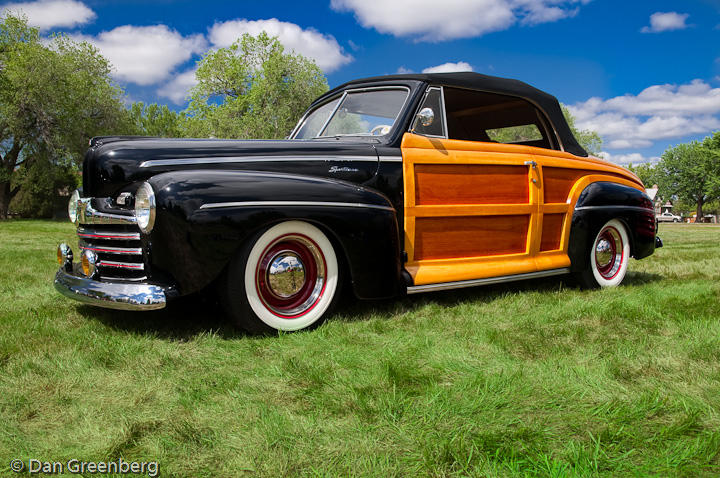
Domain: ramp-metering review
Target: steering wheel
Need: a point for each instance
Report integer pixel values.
(380, 129)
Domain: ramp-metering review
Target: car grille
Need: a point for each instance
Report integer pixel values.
(118, 248)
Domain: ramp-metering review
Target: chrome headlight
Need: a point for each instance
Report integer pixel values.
(72, 206)
(145, 207)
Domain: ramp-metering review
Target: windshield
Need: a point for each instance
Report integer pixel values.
(355, 113)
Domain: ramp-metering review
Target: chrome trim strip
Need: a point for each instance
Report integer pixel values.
(250, 159)
(88, 215)
(632, 208)
(391, 159)
(128, 251)
(489, 280)
(293, 203)
(107, 235)
(136, 266)
(110, 295)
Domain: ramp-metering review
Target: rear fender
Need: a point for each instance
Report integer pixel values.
(602, 201)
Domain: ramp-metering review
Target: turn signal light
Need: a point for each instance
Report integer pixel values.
(88, 261)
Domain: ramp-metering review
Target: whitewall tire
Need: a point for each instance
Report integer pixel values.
(286, 278)
(610, 254)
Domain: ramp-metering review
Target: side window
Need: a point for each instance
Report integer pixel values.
(489, 117)
(433, 100)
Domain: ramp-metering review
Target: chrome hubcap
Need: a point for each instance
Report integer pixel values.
(609, 250)
(603, 253)
(286, 274)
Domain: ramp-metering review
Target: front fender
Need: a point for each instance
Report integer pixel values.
(204, 217)
(602, 201)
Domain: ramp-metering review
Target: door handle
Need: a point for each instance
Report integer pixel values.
(533, 164)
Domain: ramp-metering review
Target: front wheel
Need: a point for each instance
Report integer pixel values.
(609, 255)
(285, 278)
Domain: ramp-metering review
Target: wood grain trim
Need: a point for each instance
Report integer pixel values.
(557, 182)
(454, 237)
(552, 228)
(470, 184)
(471, 210)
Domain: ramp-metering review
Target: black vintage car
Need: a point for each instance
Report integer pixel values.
(389, 185)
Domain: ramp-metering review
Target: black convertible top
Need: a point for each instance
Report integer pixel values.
(491, 84)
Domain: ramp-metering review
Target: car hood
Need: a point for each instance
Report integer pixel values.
(115, 164)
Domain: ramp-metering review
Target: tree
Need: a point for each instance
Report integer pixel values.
(647, 172)
(691, 171)
(589, 140)
(252, 89)
(54, 95)
(156, 120)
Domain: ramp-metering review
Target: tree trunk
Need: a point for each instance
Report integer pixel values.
(699, 212)
(8, 163)
(5, 197)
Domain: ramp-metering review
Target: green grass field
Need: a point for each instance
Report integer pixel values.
(527, 379)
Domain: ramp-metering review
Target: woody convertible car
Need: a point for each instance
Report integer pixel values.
(391, 185)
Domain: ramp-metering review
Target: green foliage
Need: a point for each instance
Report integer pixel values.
(647, 172)
(39, 185)
(252, 89)
(529, 379)
(53, 97)
(589, 140)
(691, 171)
(156, 120)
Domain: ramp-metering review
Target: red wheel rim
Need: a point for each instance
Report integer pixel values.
(290, 276)
(609, 253)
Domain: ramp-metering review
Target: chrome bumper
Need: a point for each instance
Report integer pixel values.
(111, 295)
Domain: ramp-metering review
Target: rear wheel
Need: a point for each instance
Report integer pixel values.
(285, 278)
(608, 257)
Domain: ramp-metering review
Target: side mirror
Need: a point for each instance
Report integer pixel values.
(425, 117)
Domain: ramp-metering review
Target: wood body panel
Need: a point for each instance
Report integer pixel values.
(458, 237)
(465, 234)
(557, 182)
(552, 225)
(470, 184)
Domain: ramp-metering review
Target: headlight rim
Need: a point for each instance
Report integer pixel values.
(145, 192)
(72, 206)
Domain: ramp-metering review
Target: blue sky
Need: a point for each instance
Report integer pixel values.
(644, 74)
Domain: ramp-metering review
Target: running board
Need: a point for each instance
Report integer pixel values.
(416, 289)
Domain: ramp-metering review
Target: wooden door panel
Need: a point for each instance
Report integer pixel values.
(471, 184)
(473, 236)
(470, 207)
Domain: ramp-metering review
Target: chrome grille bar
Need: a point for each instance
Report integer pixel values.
(130, 251)
(136, 266)
(107, 235)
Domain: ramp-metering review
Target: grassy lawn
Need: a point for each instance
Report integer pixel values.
(527, 379)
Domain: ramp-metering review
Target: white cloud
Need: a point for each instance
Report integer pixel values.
(403, 71)
(666, 21)
(324, 49)
(46, 14)
(625, 159)
(430, 20)
(178, 88)
(145, 55)
(658, 112)
(449, 67)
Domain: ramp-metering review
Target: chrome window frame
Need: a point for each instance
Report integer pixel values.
(443, 112)
(342, 96)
